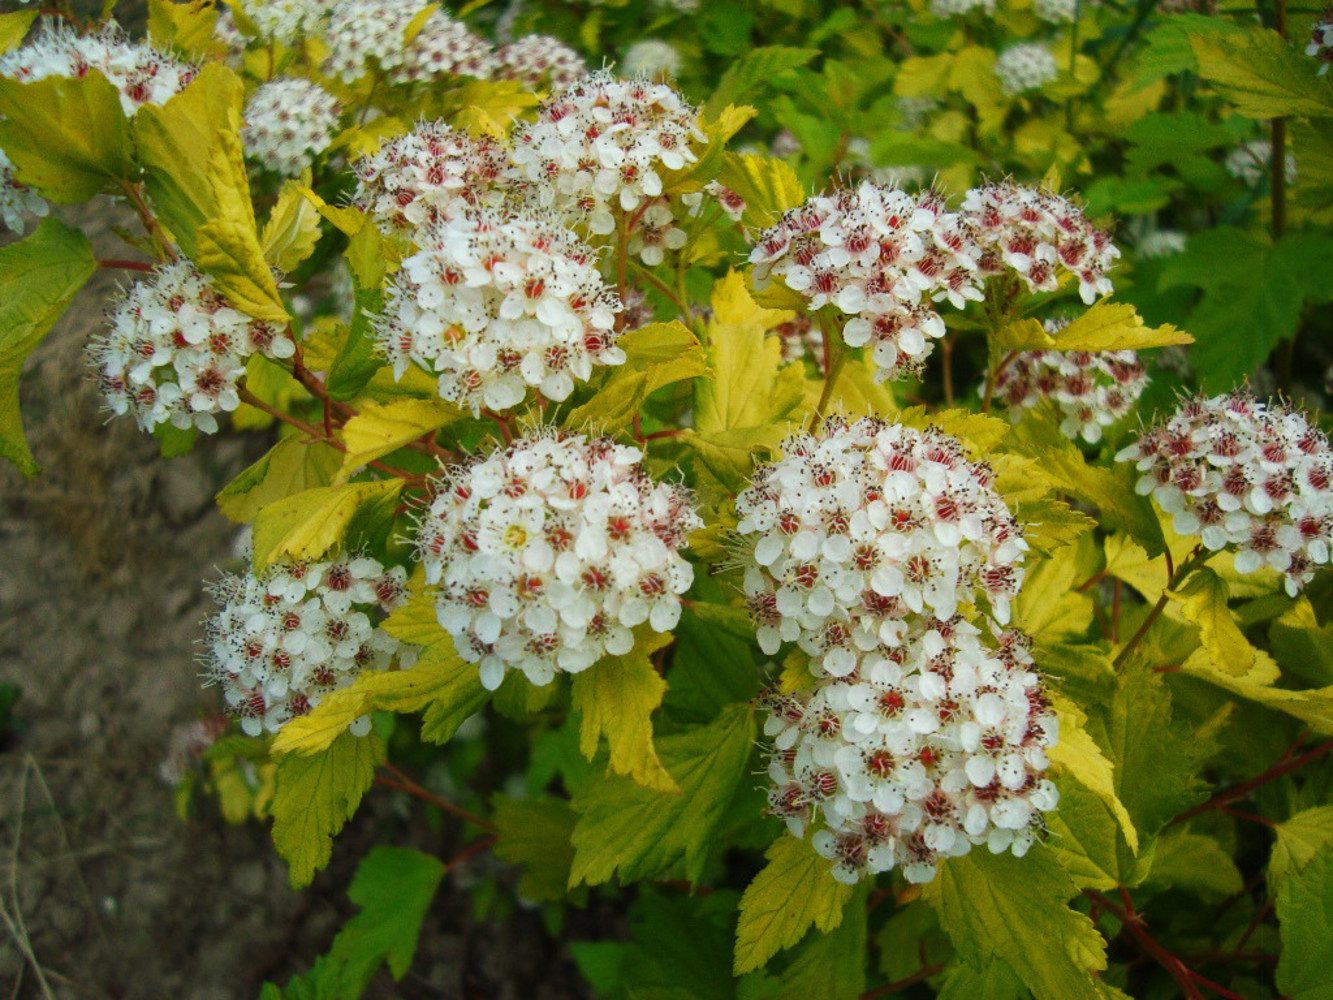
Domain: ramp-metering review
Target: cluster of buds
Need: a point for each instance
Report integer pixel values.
(879, 255)
(175, 348)
(16, 200)
(362, 30)
(297, 632)
(919, 755)
(540, 60)
(1034, 233)
(495, 303)
(1321, 41)
(140, 74)
(604, 142)
(550, 552)
(431, 174)
(863, 526)
(1090, 390)
(1242, 474)
(288, 121)
(1024, 67)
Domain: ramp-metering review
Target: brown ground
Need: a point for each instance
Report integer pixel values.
(102, 888)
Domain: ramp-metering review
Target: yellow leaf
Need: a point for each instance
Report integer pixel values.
(13, 27)
(1203, 602)
(292, 229)
(717, 131)
(769, 186)
(487, 107)
(292, 466)
(980, 432)
(613, 406)
(1079, 754)
(664, 352)
(307, 525)
(796, 675)
(379, 429)
(924, 76)
(189, 28)
(1049, 607)
(616, 696)
(416, 621)
(347, 220)
(1116, 326)
(1022, 335)
(794, 890)
(1314, 706)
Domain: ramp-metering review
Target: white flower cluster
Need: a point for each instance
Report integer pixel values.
(1161, 243)
(548, 553)
(140, 74)
(1091, 390)
(494, 303)
(175, 348)
(955, 8)
(650, 58)
(360, 30)
(1058, 11)
(540, 60)
(281, 21)
(1250, 162)
(16, 200)
(604, 142)
(879, 255)
(430, 174)
(1321, 41)
(1025, 66)
(288, 121)
(919, 755)
(1240, 473)
(299, 631)
(1034, 232)
(863, 526)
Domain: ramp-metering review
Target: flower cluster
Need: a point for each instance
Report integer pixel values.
(281, 21)
(175, 348)
(430, 174)
(1025, 66)
(1321, 41)
(16, 200)
(297, 632)
(540, 60)
(140, 74)
(1161, 243)
(548, 553)
(650, 58)
(861, 527)
(1057, 11)
(1250, 162)
(955, 8)
(287, 121)
(919, 755)
(1091, 390)
(494, 303)
(1035, 232)
(360, 30)
(604, 142)
(1240, 473)
(879, 255)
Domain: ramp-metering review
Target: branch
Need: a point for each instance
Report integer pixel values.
(402, 783)
(1283, 766)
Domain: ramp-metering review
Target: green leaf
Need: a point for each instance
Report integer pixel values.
(67, 138)
(794, 890)
(641, 832)
(616, 696)
(1088, 841)
(613, 405)
(999, 907)
(712, 666)
(1115, 326)
(292, 229)
(1304, 906)
(359, 359)
(1299, 839)
(1186, 860)
(1314, 707)
(394, 887)
(995, 981)
(1203, 602)
(1079, 755)
(1261, 74)
(535, 834)
(308, 524)
(315, 796)
(831, 966)
(755, 70)
(1303, 647)
(39, 276)
(291, 466)
(379, 429)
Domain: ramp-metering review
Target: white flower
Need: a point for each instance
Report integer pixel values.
(175, 349)
(540, 60)
(1321, 41)
(288, 122)
(954, 8)
(919, 755)
(1058, 11)
(1025, 66)
(16, 200)
(650, 58)
(298, 631)
(1160, 243)
(361, 30)
(281, 21)
(1245, 475)
(1091, 390)
(495, 304)
(1251, 162)
(549, 552)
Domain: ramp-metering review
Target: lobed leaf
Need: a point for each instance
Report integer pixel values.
(310, 523)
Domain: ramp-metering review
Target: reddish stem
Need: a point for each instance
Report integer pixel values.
(902, 984)
(1147, 943)
(471, 849)
(1286, 764)
(401, 782)
(113, 264)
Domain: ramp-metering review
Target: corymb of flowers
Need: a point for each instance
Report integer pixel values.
(550, 552)
(174, 350)
(1245, 475)
(298, 631)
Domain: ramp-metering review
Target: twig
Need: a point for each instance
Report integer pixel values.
(113, 264)
(1283, 766)
(1197, 558)
(401, 782)
(898, 986)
